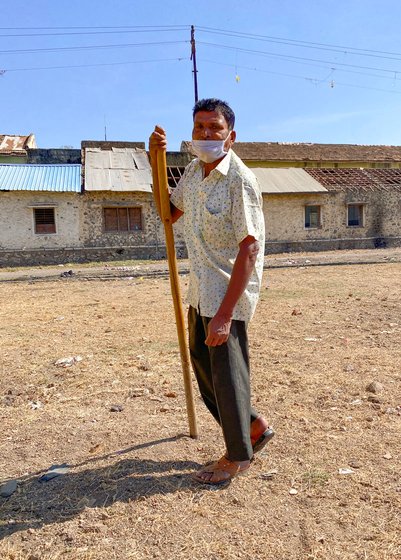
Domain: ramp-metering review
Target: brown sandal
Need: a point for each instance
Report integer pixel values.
(221, 472)
(259, 443)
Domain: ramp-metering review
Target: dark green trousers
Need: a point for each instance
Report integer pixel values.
(222, 373)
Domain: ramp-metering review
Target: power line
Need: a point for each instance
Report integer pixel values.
(56, 31)
(297, 58)
(345, 67)
(155, 27)
(89, 47)
(306, 78)
(306, 44)
(6, 70)
(75, 33)
(237, 34)
(366, 87)
(257, 69)
(333, 69)
(180, 59)
(232, 33)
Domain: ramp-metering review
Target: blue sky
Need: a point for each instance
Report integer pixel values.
(256, 54)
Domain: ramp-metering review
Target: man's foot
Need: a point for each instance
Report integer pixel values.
(220, 472)
(261, 433)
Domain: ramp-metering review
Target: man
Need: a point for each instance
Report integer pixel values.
(220, 200)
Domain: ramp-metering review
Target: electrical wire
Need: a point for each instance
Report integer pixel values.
(237, 34)
(97, 30)
(90, 47)
(393, 77)
(211, 30)
(153, 27)
(6, 70)
(307, 44)
(75, 33)
(297, 58)
(226, 32)
(315, 81)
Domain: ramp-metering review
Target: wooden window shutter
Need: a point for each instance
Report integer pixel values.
(45, 221)
(110, 219)
(122, 219)
(135, 219)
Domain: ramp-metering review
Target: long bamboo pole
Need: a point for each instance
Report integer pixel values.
(159, 170)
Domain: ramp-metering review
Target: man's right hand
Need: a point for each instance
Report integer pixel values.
(157, 140)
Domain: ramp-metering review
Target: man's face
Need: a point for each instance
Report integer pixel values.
(211, 125)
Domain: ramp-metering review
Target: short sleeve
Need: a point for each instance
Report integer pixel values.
(247, 210)
(177, 196)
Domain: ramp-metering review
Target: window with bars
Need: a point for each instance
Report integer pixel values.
(122, 219)
(45, 220)
(312, 217)
(174, 174)
(355, 215)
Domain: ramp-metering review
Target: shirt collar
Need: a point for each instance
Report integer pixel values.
(223, 166)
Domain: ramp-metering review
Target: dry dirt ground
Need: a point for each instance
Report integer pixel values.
(319, 337)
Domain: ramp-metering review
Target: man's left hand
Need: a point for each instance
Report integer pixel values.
(218, 330)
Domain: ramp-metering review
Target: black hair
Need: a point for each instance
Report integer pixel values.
(213, 104)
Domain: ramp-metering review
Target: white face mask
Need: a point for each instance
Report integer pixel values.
(209, 151)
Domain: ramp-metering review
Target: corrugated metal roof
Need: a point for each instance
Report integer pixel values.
(28, 177)
(118, 169)
(284, 180)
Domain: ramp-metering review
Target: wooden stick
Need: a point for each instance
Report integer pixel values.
(159, 171)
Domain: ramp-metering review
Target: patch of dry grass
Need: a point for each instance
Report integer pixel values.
(128, 493)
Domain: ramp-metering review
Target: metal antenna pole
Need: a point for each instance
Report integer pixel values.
(193, 58)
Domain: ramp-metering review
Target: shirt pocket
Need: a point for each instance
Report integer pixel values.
(217, 199)
(217, 228)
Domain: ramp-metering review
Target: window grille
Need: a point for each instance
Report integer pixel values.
(174, 174)
(45, 220)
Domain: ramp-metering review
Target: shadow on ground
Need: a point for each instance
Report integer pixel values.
(37, 503)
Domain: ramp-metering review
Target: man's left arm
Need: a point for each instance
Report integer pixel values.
(219, 326)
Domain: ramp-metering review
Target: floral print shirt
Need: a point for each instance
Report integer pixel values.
(220, 211)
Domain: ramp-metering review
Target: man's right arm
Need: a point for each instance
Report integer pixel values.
(175, 213)
(158, 141)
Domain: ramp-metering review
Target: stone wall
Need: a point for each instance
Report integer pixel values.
(92, 228)
(81, 238)
(178, 159)
(17, 230)
(54, 156)
(80, 233)
(285, 221)
(47, 256)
